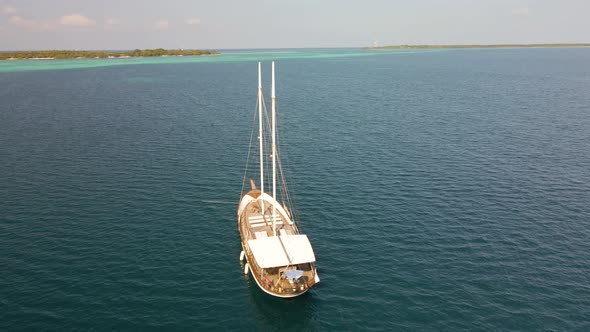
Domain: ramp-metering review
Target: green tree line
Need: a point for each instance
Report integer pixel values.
(67, 54)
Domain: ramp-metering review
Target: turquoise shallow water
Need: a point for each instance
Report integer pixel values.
(441, 191)
(225, 56)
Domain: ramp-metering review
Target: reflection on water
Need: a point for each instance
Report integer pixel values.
(273, 313)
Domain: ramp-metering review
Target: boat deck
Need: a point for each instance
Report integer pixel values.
(260, 225)
(255, 225)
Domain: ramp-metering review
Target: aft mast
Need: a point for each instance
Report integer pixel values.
(274, 152)
(260, 140)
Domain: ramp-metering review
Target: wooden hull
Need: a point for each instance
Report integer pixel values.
(271, 280)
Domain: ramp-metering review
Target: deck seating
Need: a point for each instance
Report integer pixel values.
(258, 220)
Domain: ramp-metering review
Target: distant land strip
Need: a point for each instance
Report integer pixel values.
(65, 54)
(411, 47)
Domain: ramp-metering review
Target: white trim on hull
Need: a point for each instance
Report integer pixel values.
(280, 295)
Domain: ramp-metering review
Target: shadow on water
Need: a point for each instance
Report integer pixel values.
(273, 313)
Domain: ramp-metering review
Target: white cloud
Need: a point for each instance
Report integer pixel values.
(7, 10)
(29, 24)
(521, 12)
(111, 21)
(17, 20)
(111, 24)
(161, 25)
(192, 21)
(76, 20)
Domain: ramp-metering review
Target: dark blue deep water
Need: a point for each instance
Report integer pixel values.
(440, 190)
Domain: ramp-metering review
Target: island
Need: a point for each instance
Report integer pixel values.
(67, 54)
(412, 47)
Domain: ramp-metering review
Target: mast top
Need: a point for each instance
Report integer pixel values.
(273, 81)
(259, 76)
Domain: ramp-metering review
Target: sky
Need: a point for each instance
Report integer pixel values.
(238, 24)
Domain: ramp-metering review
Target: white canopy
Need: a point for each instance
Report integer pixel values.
(276, 251)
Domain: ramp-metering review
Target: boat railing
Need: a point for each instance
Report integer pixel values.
(279, 283)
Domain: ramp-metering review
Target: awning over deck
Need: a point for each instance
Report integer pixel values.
(276, 251)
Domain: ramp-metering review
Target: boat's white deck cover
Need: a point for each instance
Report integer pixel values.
(269, 252)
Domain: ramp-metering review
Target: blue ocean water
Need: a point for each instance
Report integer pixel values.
(440, 190)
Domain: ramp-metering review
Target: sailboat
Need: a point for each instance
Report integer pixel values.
(279, 257)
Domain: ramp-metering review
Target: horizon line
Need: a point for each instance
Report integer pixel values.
(317, 47)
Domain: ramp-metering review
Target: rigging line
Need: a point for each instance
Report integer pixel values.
(286, 199)
(266, 134)
(289, 201)
(250, 146)
(282, 179)
(213, 201)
